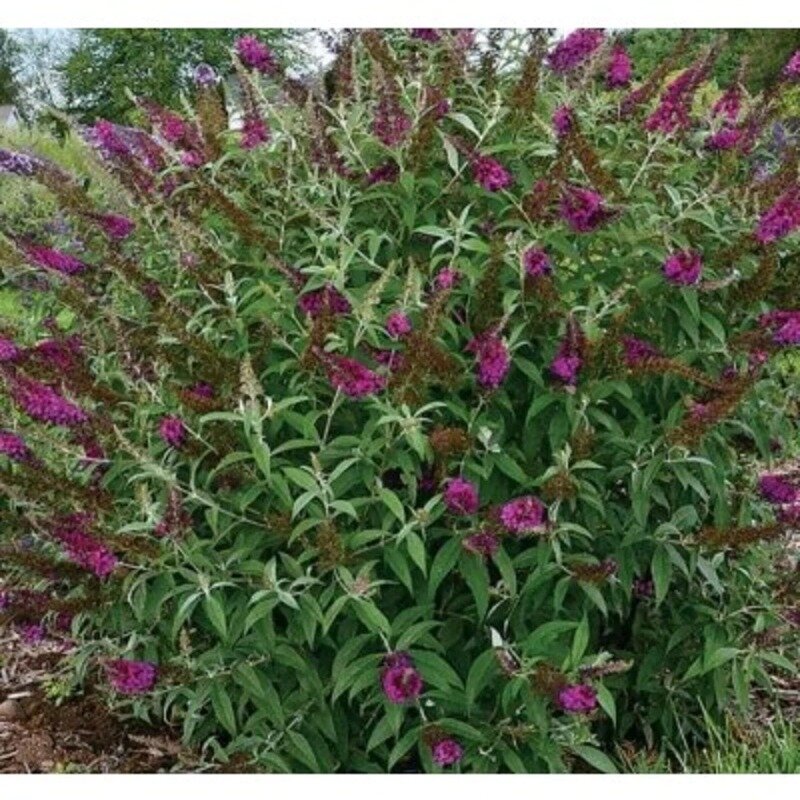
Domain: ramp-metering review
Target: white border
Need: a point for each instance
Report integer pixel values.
(399, 13)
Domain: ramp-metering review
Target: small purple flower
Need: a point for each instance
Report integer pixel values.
(638, 350)
(578, 699)
(255, 132)
(115, 226)
(729, 104)
(726, 138)
(255, 54)
(563, 120)
(620, 68)
(426, 34)
(132, 677)
(784, 325)
(385, 173)
(493, 360)
(328, 300)
(205, 76)
(400, 680)
(18, 163)
(53, 259)
(42, 403)
(523, 515)
(490, 173)
(398, 324)
(351, 377)
(583, 209)
(173, 431)
(391, 124)
(483, 543)
(568, 359)
(13, 446)
(781, 219)
(776, 489)
(446, 278)
(536, 262)
(461, 496)
(683, 267)
(644, 588)
(31, 632)
(574, 50)
(792, 68)
(8, 350)
(446, 752)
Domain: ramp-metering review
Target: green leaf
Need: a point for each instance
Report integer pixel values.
(216, 615)
(597, 758)
(580, 641)
(482, 669)
(443, 564)
(661, 567)
(223, 708)
(392, 502)
(607, 702)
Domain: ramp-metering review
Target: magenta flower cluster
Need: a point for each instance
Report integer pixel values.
(400, 679)
(781, 219)
(726, 138)
(446, 278)
(536, 262)
(446, 752)
(327, 300)
(577, 698)
(483, 543)
(523, 515)
(568, 359)
(172, 430)
(253, 53)
(57, 260)
(398, 324)
(620, 68)
(493, 360)
(792, 68)
(574, 49)
(683, 267)
(583, 209)
(635, 351)
(461, 496)
(255, 132)
(45, 404)
(13, 446)
(115, 226)
(672, 112)
(132, 677)
(391, 124)
(490, 173)
(8, 350)
(81, 547)
(777, 489)
(351, 377)
(729, 104)
(384, 173)
(784, 326)
(563, 120)
(18, 163)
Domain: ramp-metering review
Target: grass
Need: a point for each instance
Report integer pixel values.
(734, 749)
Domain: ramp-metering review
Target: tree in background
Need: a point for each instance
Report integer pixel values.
(9, 67)
(108, 63)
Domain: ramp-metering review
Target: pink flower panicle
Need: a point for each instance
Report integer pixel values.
(636, 351)
(792, 68)
(57, 260)
(620, 68)
(400, 679)
(172, 430)
(391, 124)
(446, 278)
(683, 267)
(574, 50)
(577, 699)
(327, 300)
(778, 490)
(446, 752)
(255, 54)
(81, 547)
(14, 446)
(8, 350)
(726, 138)
(784, 326)
(583, 209)
(493, 360)
(672, 112)
(536, 262)
(115, 226)
(255, 132)
(563, 120)
(490, 173)
(12, 163)
(384, 173)
(483, 543)
(351, 377)
(426, 34)
(461, 496)
(568, 359)
(398, 324)
(132, 677)
(523, 515)
(781, 219)
(729, 104)
(42, 403)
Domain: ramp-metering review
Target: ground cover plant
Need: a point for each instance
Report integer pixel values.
(428, 419)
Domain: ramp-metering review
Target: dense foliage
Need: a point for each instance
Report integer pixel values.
(417, 424)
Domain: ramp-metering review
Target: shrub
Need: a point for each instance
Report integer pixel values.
(405, 430)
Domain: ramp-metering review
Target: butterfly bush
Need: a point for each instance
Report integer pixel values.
(422, 423)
